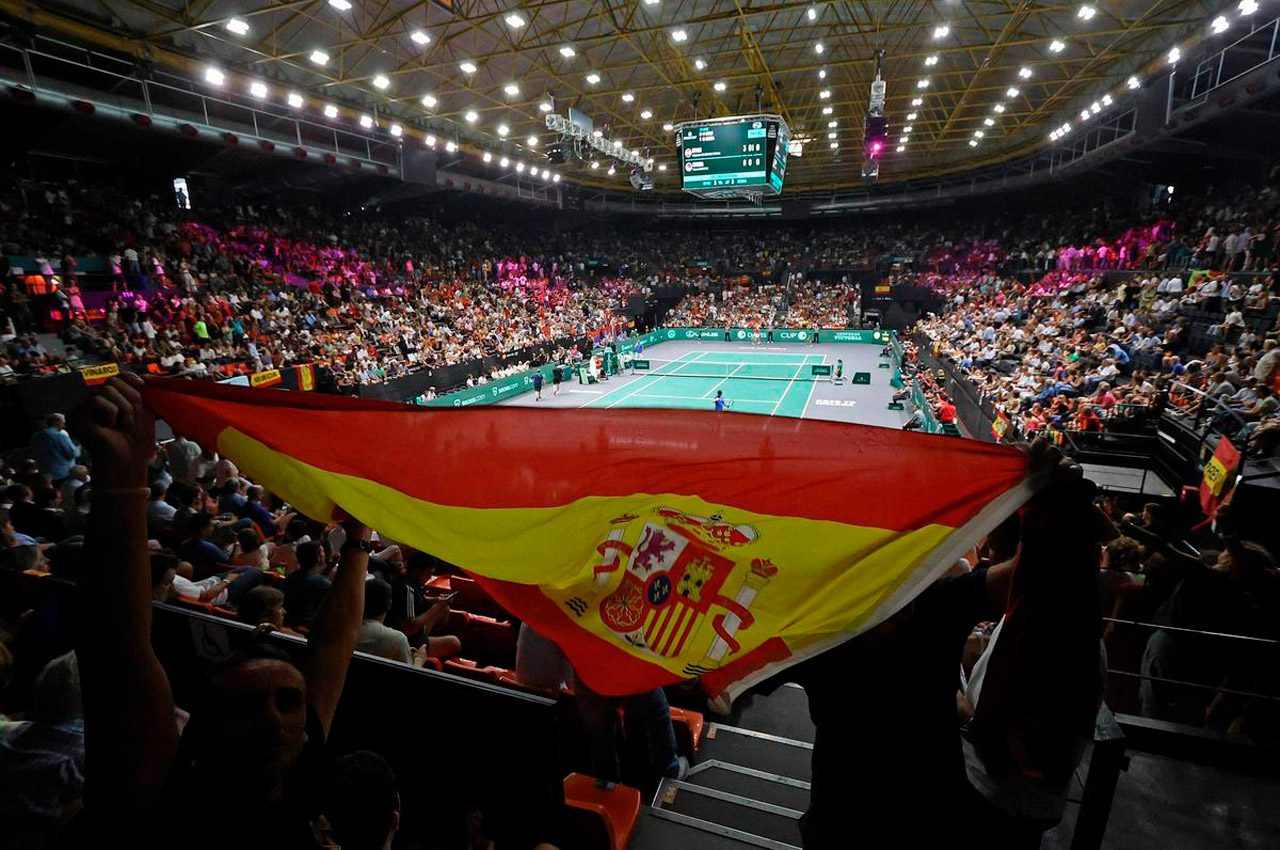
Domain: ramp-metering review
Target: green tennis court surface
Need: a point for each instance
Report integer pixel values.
(753, 382)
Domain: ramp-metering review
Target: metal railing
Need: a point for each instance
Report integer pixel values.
(1233, 61)
(121, 89)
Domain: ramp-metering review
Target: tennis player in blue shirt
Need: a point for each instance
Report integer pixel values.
(722, 403)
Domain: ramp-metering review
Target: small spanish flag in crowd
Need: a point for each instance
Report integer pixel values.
(100, 374)
(652, 546)
(306, 375)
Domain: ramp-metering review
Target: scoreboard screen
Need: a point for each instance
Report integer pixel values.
(723, 157)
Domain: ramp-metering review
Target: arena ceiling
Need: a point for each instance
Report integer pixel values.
(970, 82)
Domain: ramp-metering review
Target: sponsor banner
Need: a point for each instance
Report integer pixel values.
(493, 391)
(269, 378)
(94, 375)
(820, 369)
(873, 337)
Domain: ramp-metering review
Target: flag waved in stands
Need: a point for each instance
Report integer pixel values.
(651, 545)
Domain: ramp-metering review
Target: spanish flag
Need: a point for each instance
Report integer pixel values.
(652, 546)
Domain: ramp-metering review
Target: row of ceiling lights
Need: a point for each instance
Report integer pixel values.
(1219, 25)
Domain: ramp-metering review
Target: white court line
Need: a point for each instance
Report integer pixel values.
(639, 385)
(709, 393)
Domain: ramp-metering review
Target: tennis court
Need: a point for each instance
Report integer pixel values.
(766, 382)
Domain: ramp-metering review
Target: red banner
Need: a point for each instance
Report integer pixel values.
(1219, 476)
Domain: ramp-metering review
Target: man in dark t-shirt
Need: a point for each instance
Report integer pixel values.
(887, 748)
(305, 589)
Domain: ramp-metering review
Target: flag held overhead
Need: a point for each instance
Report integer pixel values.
(651, 545)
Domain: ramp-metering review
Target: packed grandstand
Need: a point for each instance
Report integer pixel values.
(902, 515)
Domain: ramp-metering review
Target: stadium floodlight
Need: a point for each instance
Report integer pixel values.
(651, 2)
(555, 178)
(668, 127)
(973, 143)
(941, 31)
(1133, 83)
(646, 114)
(503, 130)
(511, 89)
(295, 100)
(330, 111)
(1174, 55)
(1057, 46)
(520, 167)
(568, 52)
(831, 125)
(593, 78)
(366, 121)
(515, 20)
(381, 81)
(430, 140)
(1247, 7)
(504, 162)
(822, 73)
(827, 110)
(258, 89)
(836, 145)
(532, 141)
(594, 164)
(978, 134)
(341, 5)
(545, 106)
(811, 13)
(999, 107)
(1084, 114)
(679, 36)
(419, 37)
(396, 130)
(1086, 13)
(901, 148)
(429, 101)
(818, 48)
(451, 147)
(1011, 92)
(988, 122)
(700, 64)
(662, 166)
(1024, 72)
(319, 57)
(1219, 25)
(922, 84)
(832, 135)
(487, 157)
(546, 174)
(214, 76)
(627, 97)
(825, 94)
(720, 86)
(1095, 107)
(917, 101)
(467, 66)
(612, 171)
(930, 61)
(1106, 100)
(472, 116)
(237, 26)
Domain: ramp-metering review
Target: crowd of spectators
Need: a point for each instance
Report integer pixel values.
(799, 304)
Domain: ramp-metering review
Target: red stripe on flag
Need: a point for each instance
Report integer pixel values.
(480, 457)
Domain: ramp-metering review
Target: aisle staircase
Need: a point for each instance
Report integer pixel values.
(748, 786)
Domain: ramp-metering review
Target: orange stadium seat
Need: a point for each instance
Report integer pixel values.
(688, 727)
(601, 815)
(490, 641)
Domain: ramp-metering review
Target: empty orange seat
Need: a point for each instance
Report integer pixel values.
(490, 641)
(688, 728)
(471, 670)
(472, 597)
(606, 813)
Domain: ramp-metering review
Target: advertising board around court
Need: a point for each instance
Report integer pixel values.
(844, 335)
(494, 391)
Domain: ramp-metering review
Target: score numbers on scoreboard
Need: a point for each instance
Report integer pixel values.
(729, 157)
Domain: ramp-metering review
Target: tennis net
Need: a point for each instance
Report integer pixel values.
(734, 369)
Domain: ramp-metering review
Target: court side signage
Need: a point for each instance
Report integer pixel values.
(493, 391)
(693, 333)
(872, 337)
